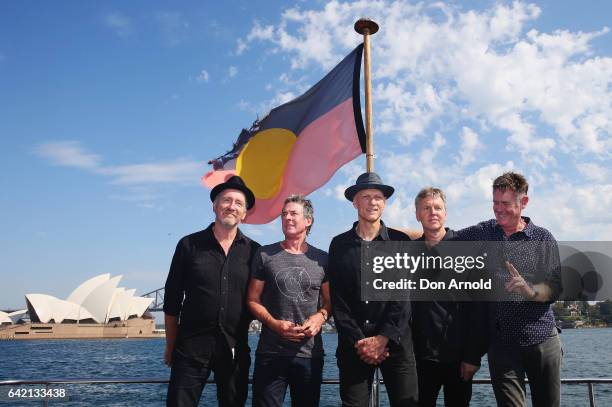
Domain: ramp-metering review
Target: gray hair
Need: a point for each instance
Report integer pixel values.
(308, 210)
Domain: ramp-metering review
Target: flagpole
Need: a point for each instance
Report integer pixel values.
(367, 27)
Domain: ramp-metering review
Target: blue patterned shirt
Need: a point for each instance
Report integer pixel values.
(534, 253)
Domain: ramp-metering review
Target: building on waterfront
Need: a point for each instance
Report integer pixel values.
(14, 317)
(98, 308)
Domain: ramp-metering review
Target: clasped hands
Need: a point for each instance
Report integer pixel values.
(296, 333)
(373, 350)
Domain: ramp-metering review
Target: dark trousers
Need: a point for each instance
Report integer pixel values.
(433, 375)
(273, 373)
(398, 370)
(541, 364)
(188, 376)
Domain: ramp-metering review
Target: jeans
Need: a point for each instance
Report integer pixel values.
(188, 376)
(433, 375)
(398, 371)
(541, 364)
(273, 373)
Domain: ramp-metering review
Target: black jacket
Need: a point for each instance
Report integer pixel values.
(448, 331)
(356, 319)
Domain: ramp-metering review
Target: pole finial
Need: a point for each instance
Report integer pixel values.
(365, 26)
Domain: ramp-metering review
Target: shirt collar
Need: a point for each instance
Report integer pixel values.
(450, 234)
(240, 237)
(383, 233)
(529, 227)
(527, 230)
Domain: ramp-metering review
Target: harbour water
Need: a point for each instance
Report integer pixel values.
(587, 353)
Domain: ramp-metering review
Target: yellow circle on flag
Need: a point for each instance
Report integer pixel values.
(261, 163)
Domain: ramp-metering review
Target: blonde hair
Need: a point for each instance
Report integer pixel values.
(429, 191)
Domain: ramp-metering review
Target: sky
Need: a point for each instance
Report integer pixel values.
(109, 112)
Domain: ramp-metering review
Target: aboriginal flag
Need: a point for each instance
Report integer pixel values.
(299, 145)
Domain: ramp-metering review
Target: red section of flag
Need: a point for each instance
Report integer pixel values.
(321, 148)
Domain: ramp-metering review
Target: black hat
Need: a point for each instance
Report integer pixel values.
(234, 182)
(368, 180)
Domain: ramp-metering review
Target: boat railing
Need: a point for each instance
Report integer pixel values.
(374, 396)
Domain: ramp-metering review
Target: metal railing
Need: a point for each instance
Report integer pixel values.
(374, 396)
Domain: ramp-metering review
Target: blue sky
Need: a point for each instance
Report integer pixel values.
(110, 111)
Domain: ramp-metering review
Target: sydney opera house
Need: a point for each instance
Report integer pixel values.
(98, 308)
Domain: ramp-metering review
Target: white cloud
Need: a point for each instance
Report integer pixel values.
(258, 32)
(137, 179)
(336, 192)
(429, 153)
(203, 76)
(232, 71)
(68, 154)
(470, 145)
(408, 113)
(476, 186)
(119, 23)
(574, 212)
(593, 172)
(179, 171)
(523, 139)
(399, 212)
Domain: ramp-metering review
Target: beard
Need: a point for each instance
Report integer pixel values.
(229, 221)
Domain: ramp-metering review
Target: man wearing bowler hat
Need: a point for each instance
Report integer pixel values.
(206, 316)
(371, 334)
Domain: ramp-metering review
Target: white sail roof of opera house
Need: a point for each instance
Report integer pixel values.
(82, 291)
(12, 317)
(98, 299)
(4, 318)
(49, 308)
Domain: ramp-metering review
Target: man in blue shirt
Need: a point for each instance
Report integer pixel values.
(523, 338)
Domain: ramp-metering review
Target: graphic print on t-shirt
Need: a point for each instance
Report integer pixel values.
(293, 283)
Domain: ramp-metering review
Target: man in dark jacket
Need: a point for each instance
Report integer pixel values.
(371, 334)
(447, 346)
